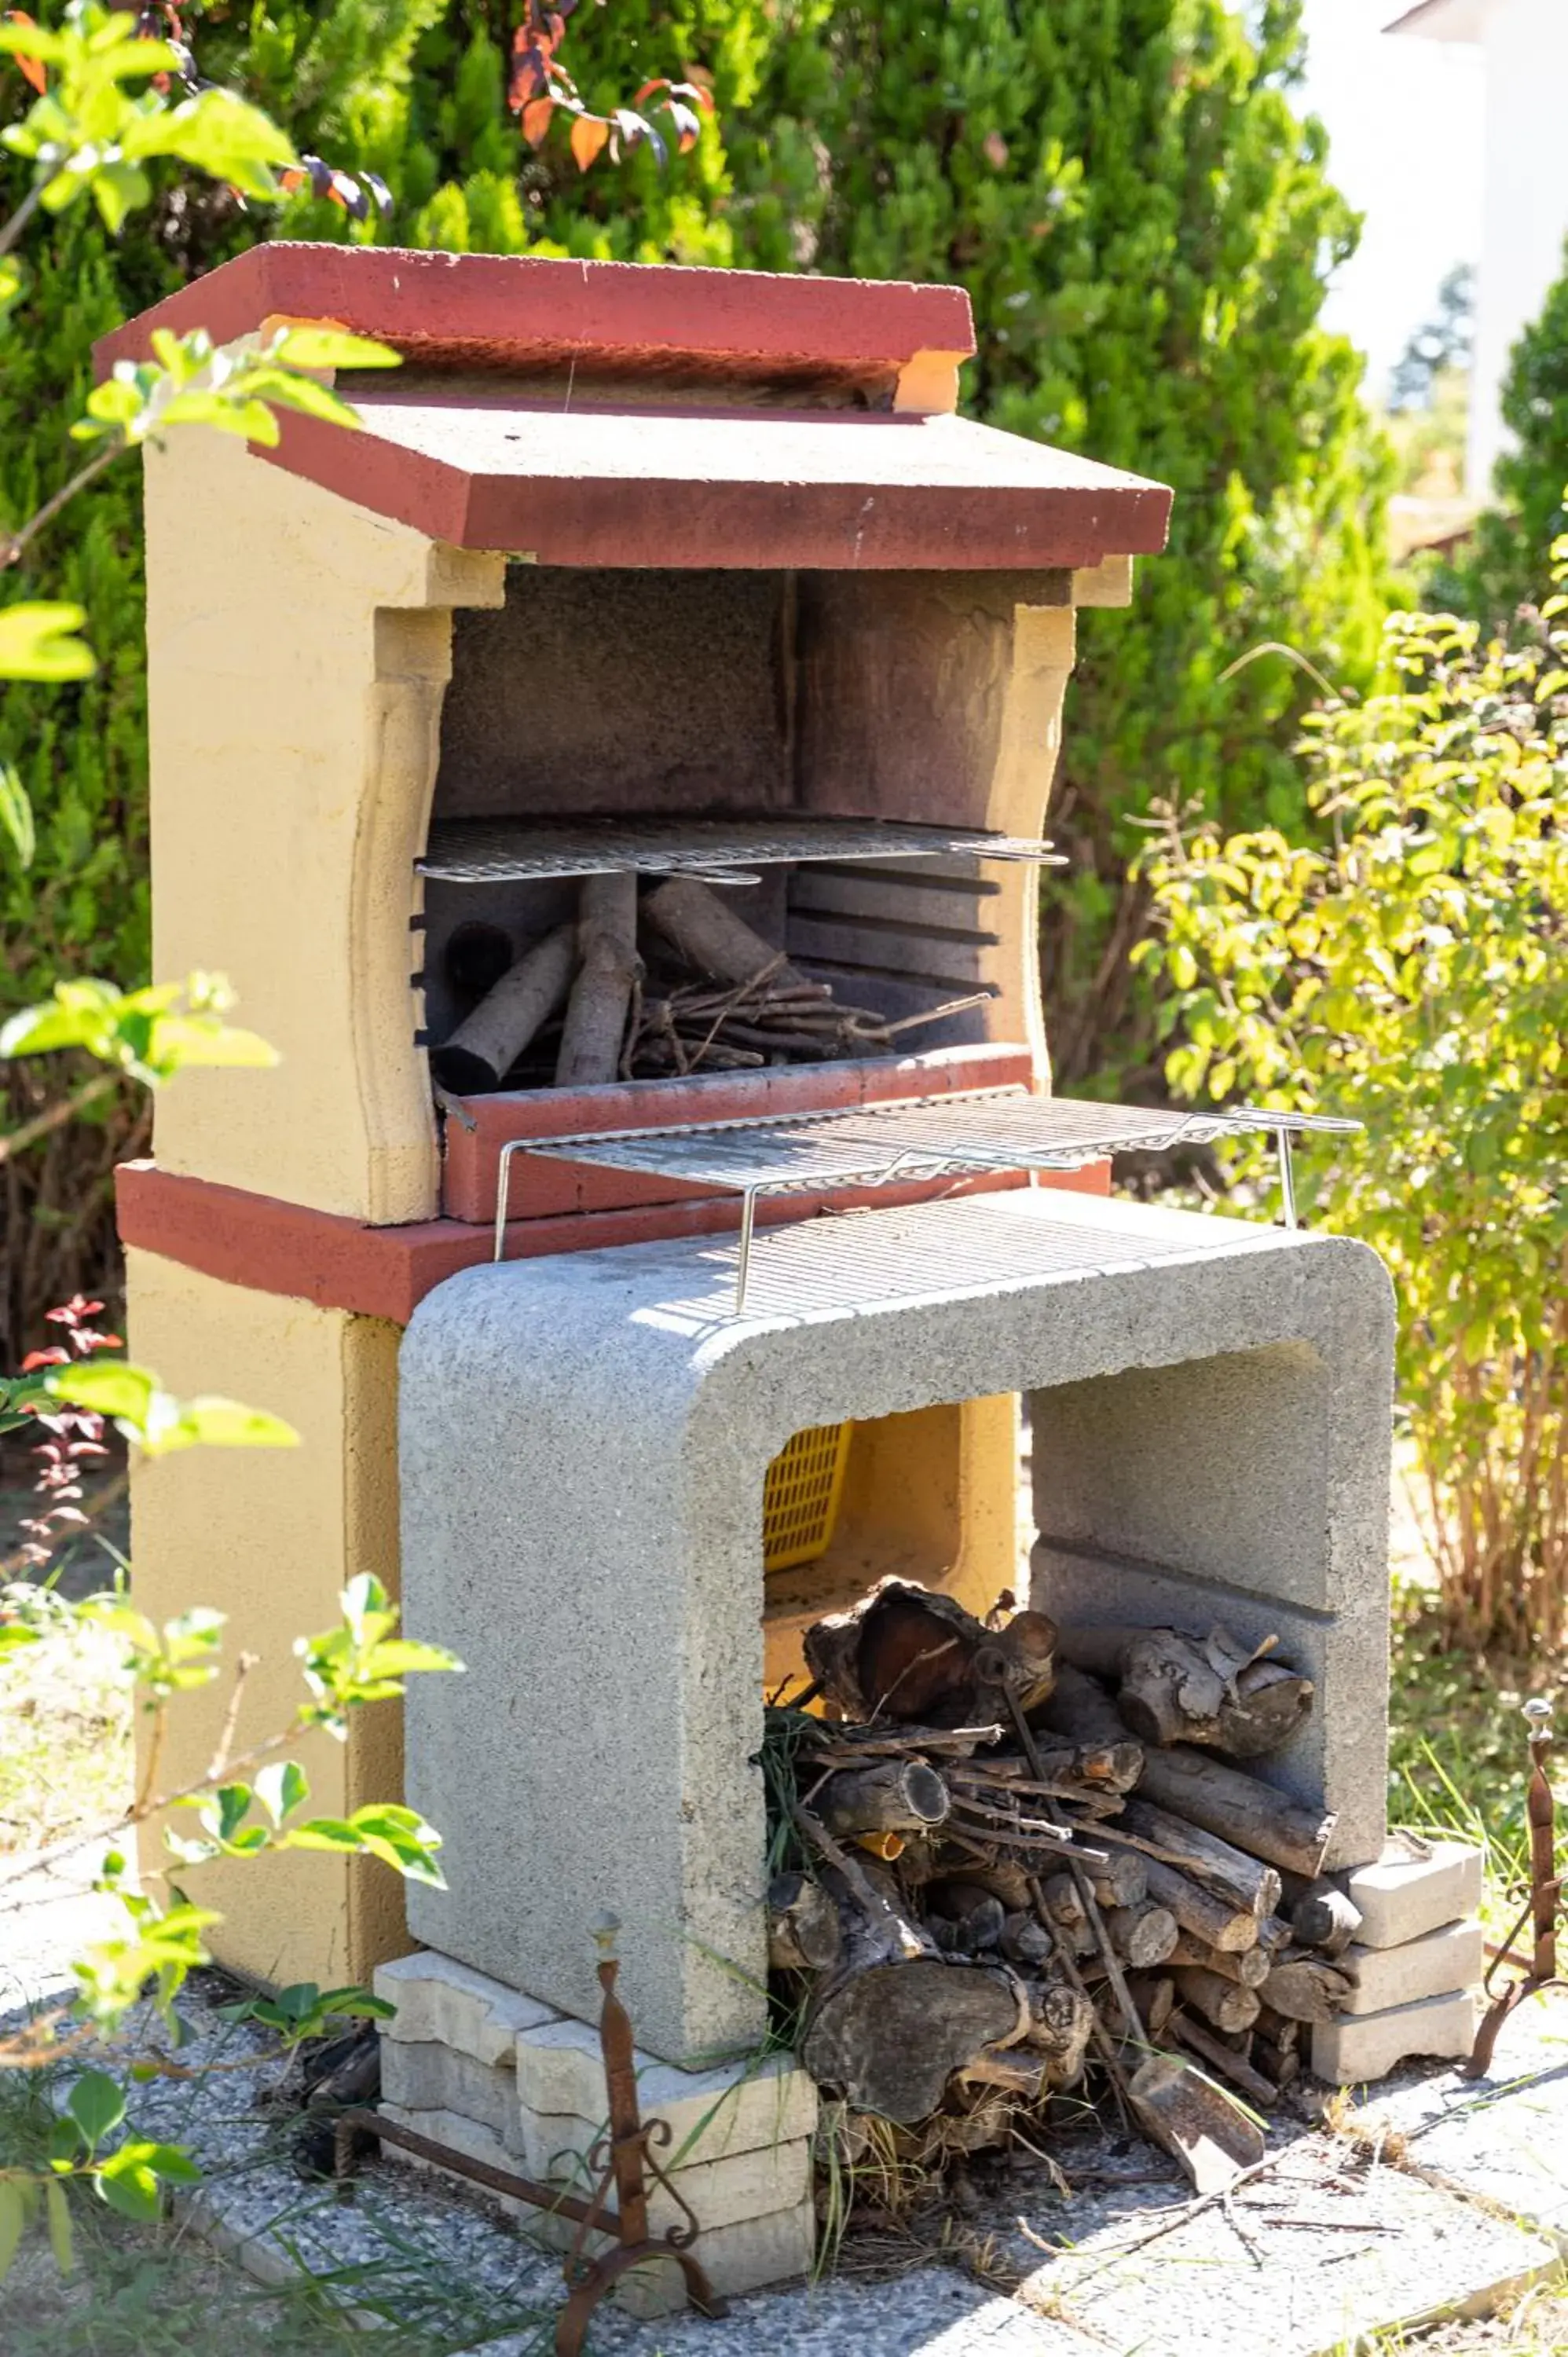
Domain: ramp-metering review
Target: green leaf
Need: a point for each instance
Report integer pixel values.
(324, 1833)
(172, 2163)
(281, 1787)
(97, 2103)
(13, 2219)
(132, 2190)
(332, 348)
(225, 1424)
(108, 1387)
(221, 135)
(16, 814)
(56, 2209)
(38, 642)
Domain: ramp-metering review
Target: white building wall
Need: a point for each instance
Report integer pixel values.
(1526, 199)
(1525, 44)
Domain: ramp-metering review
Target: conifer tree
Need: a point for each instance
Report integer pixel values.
(1511, 552)
(1145, 226)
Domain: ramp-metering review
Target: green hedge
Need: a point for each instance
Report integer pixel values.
(1142, 224)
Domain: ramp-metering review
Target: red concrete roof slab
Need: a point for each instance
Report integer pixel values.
(525, 311)
(739, 483)
(832, 489)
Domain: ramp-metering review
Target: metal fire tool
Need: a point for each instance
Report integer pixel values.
(621, 2162)
(1540, 1910)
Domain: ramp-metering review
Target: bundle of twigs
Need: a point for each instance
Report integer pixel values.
(669, 981)
(983, 1877)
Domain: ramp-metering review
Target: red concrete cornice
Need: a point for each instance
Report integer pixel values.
(523, 311)
(270, 1246)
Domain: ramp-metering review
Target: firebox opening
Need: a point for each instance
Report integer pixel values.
(930, 1495)
(817, 714)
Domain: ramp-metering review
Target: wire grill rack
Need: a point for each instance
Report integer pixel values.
(911, 1139)
(501, 851)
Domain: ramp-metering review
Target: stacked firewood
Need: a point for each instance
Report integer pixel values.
(1008, 1853)
(647, 984)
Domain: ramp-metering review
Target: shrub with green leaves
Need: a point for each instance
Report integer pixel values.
(1406, 962)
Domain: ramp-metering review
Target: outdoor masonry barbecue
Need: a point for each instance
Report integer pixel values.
(615, 779)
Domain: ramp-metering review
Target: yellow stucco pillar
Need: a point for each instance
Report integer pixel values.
(270, 1537)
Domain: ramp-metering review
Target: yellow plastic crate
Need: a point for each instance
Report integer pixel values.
(800, 1496)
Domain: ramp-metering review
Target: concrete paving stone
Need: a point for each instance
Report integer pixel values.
(747, 2255)
(759, 2184)
(1412, 1888)
(463, 2135)
(931, 2312)
(1452, 1957)
(1358, 2049)
(1323, 2248)
(734, 2108)
(439, 2079)
(1504, 2138)
(442, 2002)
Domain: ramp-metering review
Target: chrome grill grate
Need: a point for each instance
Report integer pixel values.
(893, 1143)
(503, 851)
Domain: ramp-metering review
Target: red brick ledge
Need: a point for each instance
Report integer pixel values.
(270, 1246)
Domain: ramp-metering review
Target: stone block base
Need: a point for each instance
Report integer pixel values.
(505, 2080)
(1412, 1888)
(1370, 2045)
(1438, 1963)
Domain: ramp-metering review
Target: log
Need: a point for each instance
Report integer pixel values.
(1154, 1993)
(889, 2037)
(888, 1797)
(1249, 1967)
(1078, 1706)
(1061, 2022)
(1063, 1904)
(1206, 2130)
(608, 967)
(486, 1043)
(1325, 1919)
(1212, 1920)
(1224, 2003)
(1143, 1936)
(1122, 1880)
(709, 937)
(1218, 1865)
(1221, 2059)
(803, 1930)
(1240, 1809)
(1304, 1988)
(913, 1653)
(1023, 1941)
(1180, 1689)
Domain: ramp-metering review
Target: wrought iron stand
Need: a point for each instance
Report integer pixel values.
(622, 2163)
(1542, 1909)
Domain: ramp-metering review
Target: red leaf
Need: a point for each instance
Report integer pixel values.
(536, 120)
(30, 68)
(530, 76)
(45, 1359)
(649, 88)
(590, 134)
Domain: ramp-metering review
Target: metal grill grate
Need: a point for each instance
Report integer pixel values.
(501, 851)
(915, 1138)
